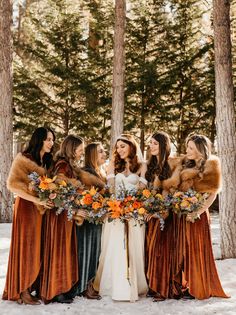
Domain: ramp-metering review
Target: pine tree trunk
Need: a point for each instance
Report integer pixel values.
(117, 116)
(5, 107)
(225, 123)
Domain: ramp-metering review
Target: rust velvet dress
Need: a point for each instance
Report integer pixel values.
(194, 265)
(60, 263)
(160, 243)
(25, 250)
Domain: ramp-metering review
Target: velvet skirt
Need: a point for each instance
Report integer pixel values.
(25, 250)
(193, 265)
(159, 253)
(89, 249)
(60, 261)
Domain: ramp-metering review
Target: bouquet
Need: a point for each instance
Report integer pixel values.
(183, 203)
(154, 203)
(93, 202)
(125, 206)
(54, 189)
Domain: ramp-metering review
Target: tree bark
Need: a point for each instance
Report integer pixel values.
(225, 123)
(5, 107)
(117, 116)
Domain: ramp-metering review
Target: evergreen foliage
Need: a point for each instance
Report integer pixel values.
(63, 69)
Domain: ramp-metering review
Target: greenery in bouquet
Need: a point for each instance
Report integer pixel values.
(183, 203)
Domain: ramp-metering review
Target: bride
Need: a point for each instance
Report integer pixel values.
(121, 273)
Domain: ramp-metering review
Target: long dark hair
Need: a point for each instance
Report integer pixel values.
(35, 145)
(159, 167)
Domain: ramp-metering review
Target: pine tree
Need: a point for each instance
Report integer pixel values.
(65, 77)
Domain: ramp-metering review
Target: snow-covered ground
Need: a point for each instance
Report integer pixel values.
(226, 269)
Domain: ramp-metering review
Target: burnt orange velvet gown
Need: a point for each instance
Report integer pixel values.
(194, 265)
(60, 263)
(25, 249)
(159, 252)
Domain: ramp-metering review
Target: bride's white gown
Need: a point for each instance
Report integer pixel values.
(111, 278)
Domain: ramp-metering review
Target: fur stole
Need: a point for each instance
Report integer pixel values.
(77, 177)
(172, 182)
(207, 181)
(18, 181)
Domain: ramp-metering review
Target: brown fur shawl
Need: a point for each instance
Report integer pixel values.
(18, 181)
(83, 178)
(207, 181)
(172, 182)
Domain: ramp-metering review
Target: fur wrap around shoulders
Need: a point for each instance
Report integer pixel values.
(172, 182)
(209, 180)
(78, 176)
(18, 181)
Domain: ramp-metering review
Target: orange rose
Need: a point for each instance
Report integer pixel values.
(137, 204)
(87, 199)
(96, 205)
(146, 193)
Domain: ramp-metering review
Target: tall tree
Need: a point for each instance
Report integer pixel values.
(225, 121)
(5, 107)
(117, 117)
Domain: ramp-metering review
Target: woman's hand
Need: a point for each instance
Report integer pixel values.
(150, 216)
(79, 216)
(191, 217)
(47, 204)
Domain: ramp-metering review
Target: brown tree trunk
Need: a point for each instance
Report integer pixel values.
(117, 116)
(225, 123)
(5, 107)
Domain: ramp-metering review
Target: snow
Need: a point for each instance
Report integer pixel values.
(226, 269)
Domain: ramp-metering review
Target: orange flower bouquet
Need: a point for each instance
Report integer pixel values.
(154, 203)
(126, 206)
(93, 202)
(183, 203)
(54, 189)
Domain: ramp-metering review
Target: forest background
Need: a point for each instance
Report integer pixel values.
(63, 52)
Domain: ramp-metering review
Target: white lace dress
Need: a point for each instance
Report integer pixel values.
(113, 277)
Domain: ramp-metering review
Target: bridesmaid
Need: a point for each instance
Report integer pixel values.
(194, 267)
(25, 251)
(162, 176)
(60, 271)
(89, 234)
(60, 261)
